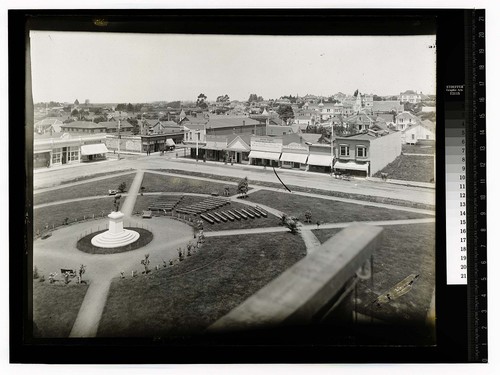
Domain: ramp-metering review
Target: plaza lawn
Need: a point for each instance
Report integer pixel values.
(326, 211)
(56, 214)
(55, 307)
(143, 202)
(410, 168)
(405, 250)
(361, 197)
(159, 183)
(192, 294)
(85, 189)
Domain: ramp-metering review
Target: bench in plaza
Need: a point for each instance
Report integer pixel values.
(250, 215)
(223, 218)
(206, 218)
(226, 215)
(253, 211)
(231, 215)
(216, 219)
(242, 214)
(261, 211)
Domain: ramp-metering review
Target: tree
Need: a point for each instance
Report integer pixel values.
(130, 107)
(99, 119)
(200, 101)
(308, 215)
(75, 112)
(145, 262)
(122, 187)
(87, 102)
(290, 222)
(223, 99)
(377, 98)
(243, 187)
(285, 112)
(77, 102)
(356, 93)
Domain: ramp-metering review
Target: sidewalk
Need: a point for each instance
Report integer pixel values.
(427, 185)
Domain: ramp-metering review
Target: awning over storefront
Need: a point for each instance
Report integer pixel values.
(170, 142)
(99, 148)
(322, 160)
(293, 158)
(352, 165)
(264, 155)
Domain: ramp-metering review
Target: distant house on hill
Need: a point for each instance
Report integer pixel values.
(410, 96)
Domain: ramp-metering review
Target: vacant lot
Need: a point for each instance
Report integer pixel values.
(86, 189)
(405, 250)
(326, 211)
(419, 149)
(55, 307)
(410, 168)
(192, 294)
(143, 202)
(157, 183)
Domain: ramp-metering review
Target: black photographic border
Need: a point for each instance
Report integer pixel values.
(452, 327)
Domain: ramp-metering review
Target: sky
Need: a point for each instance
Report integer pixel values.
(136, 68)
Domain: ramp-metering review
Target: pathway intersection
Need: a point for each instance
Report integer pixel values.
(102, 269)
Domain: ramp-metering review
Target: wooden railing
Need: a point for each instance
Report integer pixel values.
(306, 288)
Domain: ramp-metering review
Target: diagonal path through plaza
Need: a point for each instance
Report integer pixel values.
(89, 315)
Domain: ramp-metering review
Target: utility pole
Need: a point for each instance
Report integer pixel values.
(119, 139)
(331, 150)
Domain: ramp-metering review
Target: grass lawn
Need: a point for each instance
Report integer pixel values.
(405, 250)
(157, 183)
(85, 189)
(326, 211)
(340, 194)
(192, 294)
(55, 215)
(418, 149)
(410, 168)
(84, 244)
(143, 202)
(55, 307)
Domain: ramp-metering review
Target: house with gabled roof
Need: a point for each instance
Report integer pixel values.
(410, 96)
(405, 119)
(416, 133)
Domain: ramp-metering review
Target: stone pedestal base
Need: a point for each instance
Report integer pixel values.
(115, 236)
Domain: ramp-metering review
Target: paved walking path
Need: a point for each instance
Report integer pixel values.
(89, 315)
(106, 267)
(128, 206)
(237, 232)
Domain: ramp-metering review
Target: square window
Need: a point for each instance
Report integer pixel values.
(361, 152)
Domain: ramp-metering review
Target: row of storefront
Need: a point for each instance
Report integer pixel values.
(271, 152)
(68, 150)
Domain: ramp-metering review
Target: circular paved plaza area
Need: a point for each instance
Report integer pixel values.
(59, 250)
